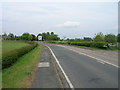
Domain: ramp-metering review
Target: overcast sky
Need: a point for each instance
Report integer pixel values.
(71, 20)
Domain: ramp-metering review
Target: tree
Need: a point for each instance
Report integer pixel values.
(44, 35)
(26, 36)
(67, 39)
(53, 37)
(18, 38)
(110, 38)
(99, 37)
(52, 33)
(4, 34)
(11, 35)
(48, 33)
(87, 39)
(118, 37)
(77, 39)
(33, 38)
(49, 36)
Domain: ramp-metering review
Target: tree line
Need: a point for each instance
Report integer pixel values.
(31, 37)
(99, 37)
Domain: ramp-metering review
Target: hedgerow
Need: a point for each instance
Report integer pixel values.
(87, 43)
(90, 44)
(9, 58)
(57, 42)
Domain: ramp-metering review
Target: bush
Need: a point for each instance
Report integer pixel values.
(57, 42)
(62, 42)
(87, 44)
(9, 58)
(99, 44)
(50, 42)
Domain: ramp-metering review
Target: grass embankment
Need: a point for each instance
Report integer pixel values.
(21, 73)
(9, 58)
(11, 45)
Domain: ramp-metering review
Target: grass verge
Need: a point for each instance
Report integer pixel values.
(20, 75)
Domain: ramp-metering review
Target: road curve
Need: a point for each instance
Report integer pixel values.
(85, 72)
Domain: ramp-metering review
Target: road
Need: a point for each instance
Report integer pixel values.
(84, 71)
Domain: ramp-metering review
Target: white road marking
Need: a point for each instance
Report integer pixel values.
(43, 64)
(69, 82)
(99, 60)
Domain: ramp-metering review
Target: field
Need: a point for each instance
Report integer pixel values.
(11, 45)
(21, 73)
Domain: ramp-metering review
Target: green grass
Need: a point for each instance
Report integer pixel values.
(21, 73)
(11, 45)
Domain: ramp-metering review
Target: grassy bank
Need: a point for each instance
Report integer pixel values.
(11, 45)
(21, 73)
(9, 58)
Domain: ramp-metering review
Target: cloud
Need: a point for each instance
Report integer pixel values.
(69, 24)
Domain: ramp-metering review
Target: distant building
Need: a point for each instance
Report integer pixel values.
(4, 37)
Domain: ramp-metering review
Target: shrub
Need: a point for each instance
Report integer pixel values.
(50, 42)
(68, 42)
(87, 44)
(57, 42)
(62, 42)
(99, 44)
(9, 58)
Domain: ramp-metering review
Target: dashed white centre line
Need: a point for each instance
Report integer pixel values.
(98, 60)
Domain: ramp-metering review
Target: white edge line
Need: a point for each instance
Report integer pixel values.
(69, 82)
(95, 58)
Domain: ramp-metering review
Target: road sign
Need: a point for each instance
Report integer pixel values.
(39, 37)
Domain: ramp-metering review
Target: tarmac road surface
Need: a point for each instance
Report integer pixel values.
(84, 71)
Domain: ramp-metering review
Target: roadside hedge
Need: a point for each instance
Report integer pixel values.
(90, 44)
(57, 42)
(87, 44)
(9, 58)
